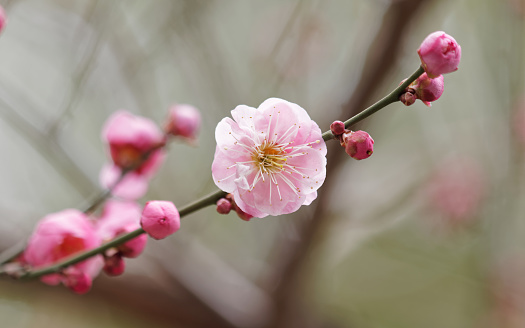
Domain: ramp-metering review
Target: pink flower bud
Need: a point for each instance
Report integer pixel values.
(427, 89)
(160, 219)
(224, 206)
(408, 98)
(439, 54)
(183, 121)
(114, 265)
(131, 138)
(79, 282)
(337, 128)
(358, 144)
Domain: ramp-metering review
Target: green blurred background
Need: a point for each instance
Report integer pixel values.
(373, 251)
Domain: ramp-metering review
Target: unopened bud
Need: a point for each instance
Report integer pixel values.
(240, 213)
(337, 128)
(439, 54)
(160, 219)
(359, 144)
(224, 206)
(407, 98)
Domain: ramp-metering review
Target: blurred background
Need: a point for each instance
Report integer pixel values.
(428, 232)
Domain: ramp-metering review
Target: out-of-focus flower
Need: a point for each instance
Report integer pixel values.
(272, 159)
(60, 235)
(439, 54)
(160, 219)
(456, 190)
(183, 121)
(120, 217)
(507, 284)
(135, 183)
(131, 139)
(3, 18)
(358, 145)
(114, 265)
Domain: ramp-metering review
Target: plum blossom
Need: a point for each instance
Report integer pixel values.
(60, 235)
(272, 159)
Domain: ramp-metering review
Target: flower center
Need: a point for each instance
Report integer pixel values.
(269, 157)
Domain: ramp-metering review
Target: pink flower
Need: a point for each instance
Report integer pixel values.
(135, 183)
(58, 236)
(439, 54)
(3, 19)
(160, 219)
(184, 121)
(131, 138)
(456, 189)
(358, 144)
(120, 217)
(272, 159)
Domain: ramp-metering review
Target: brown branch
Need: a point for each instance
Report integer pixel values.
(290, 310)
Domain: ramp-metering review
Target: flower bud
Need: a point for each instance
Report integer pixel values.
(337, 128)
(408, 98)
(160, 219)
(427, 89)
(359, 144)
(183, 121)
(224, 206)
(439, 54)
(240, 213)
(114, 265)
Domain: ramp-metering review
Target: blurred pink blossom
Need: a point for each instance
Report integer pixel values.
(439, 54)
(160, 219)
(456, 189)
(135, 183)
(120, 217)
(272, 159)
(58, 236)
(131, 138)
(3, 18)
(184, 121)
